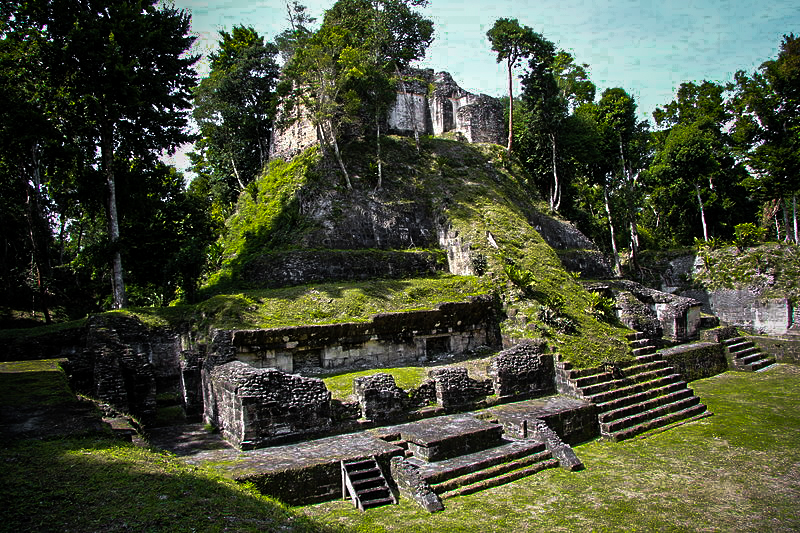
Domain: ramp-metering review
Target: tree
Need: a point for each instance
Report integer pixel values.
(615, 114)
(234, 107)
(512, 43)
(693, 169)
(343, 71)
(767, 108)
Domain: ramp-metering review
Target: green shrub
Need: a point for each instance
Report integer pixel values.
(747, 235)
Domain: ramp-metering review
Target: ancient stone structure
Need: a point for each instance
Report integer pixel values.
(387, 340)
(426, 103)
(522, 370)
(454, 387)
(122, 363)
(697, 360)
(379, 396)
(656, 314)
(254, 407)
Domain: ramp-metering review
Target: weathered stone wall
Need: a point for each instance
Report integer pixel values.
(281, 269)
(386, 341)
(412, 485)
(696, 361)
(379, 397)
(117, 366)
(418, 109)
(748, 310)
(255, 407)
(455, 389)
(523, 371)
(655, 313)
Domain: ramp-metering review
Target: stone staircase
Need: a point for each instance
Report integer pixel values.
(637, 396)
(364, 482)
(484, 469)
(744, 356)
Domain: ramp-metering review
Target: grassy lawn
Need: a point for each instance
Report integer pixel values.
(738, 470)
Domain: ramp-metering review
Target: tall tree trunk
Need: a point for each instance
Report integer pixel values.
(332, 141)
(617, 266)
(786, 237)
(236, 173)
(555, 196)
(510, 107)
(702, 212)
(107, 157)
(39, 261)
(794, 217)
(378, 141)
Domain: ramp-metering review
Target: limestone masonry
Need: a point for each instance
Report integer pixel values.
(426, 104)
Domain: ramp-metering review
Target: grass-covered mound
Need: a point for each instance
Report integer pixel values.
(474, 191)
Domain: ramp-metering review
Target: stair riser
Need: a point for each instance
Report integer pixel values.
(628, 433)
(641, 418)
(441, 477)
(616, 394)
(501, 480)
(625, 382)
(636, 408)
(639, 397)
(489, 473)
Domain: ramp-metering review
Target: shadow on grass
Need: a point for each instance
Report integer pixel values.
(102, 485)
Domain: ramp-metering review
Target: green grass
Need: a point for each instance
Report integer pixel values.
(341, 385)
(738, 470)
(102, 485)
(34, 383)
(320, 303)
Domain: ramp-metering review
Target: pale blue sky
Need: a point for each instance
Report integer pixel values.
(647, 47)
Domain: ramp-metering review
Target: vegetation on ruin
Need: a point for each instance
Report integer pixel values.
(772, 269)
(736, 470)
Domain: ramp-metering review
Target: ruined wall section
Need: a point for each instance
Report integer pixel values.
(426, 103)
(388, 340)
(261, 406)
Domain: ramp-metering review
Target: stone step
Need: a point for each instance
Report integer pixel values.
(638, 367)
(607, 396)
(750, 358)
(593, 379)
(650, 375)
(639, 343)
(635, 336)
(744, 353)
(733, 340)
(765, 364)
(740, 346)
(645, 405)
(649, 414)
(644, 350)
(377, 502)
(762, 364)
(490, 472)
(694, 412)
(501, 479)
(440, 471)
(649, 358)
(577, 373)
(638, 397)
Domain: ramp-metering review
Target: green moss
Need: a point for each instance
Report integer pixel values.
(33, 383)
(771, 269)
